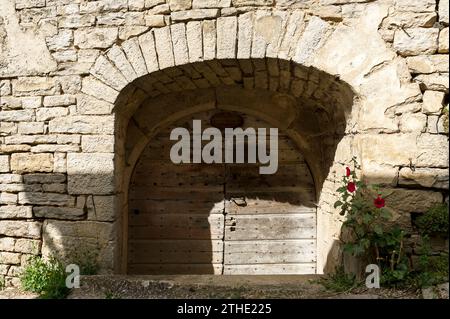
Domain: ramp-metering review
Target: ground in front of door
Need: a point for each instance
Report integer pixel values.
(205, 286)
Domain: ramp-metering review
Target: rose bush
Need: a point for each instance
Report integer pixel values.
(372, 236)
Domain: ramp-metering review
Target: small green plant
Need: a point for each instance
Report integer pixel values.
(434, 221)
(433, 269)
(339, 281)
(46, 277)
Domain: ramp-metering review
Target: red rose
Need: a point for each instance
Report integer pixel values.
(379, 202)
(347, 171)
(351, 187)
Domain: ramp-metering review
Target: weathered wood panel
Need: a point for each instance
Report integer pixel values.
(270, 269)
(269, 252)
(175, 269)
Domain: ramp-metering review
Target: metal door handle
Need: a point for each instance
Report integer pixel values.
(239, 201)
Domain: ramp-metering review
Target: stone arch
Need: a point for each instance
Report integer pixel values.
(296, 47)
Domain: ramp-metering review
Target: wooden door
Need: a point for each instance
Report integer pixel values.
(221, 218)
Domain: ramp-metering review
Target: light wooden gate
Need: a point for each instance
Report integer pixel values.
(220, 218)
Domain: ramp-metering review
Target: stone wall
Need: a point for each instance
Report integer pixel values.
(73, 72)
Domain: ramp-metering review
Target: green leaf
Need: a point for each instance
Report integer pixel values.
(342, 189)
(378, 230)
(367, 218)
(337, 204)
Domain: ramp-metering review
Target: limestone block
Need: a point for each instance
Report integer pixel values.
(198, 4)
(24, 4)
(31, 102)
(434, 81)
(393, 149)
(54, 148)
(4, 163)
(118, 57)
(428, 63)
(97, 143)
(7, 128)
(71, 213)
(115, 5)
(5, 87)
(59, 100)
(38, 198)
(9, 258)
(374, 173)
(432, 151)
(433, 102)
(23, 162)
(10, 178)
(416, 6)
(31, 139)
(194, 41)
(76, 21)
(310, 39)
(10, 102)
(90, 173)
(194, 14)
(94, 87)
(179, 42)
(111, 19)
(27, 246)
(70, 84)
(16, 228)
(100, 38)
(443, 11)
(154, 20)
(12, 212)
(82, 124)
(416, 41)
(8, 198)
(415, 122)
(136, 5)
(160, 9)
(164, 47)
(411, 201)
(245, 32)
(209, 39)
(177, 5)
(7, 244)
(131, 31)
(41, 178)
(48, 113)
(34, 85)
(101, 208)
(244, 3)
(134, 55)
(147, 44)
(104, 70)
(14, 148)
(90, 105)
(59, 163)
(226, 37)
(409, 19)
(61, 41)
(152, 3)
(134, 19)
(443, 41)
(65, 56)
(425, 177)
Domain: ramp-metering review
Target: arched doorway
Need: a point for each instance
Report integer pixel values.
(220, 218)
